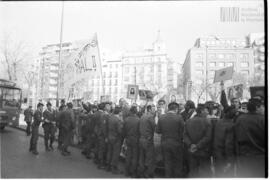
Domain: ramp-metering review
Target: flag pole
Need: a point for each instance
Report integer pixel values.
(60, 56)
(100, 63)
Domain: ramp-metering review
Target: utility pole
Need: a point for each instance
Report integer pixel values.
(60, 56)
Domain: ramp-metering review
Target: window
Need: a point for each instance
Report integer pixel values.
(159, 68)
(212, 64)
(110, 74)
(199, 72)
(199, 64)
(211, 55)
(116, 65)
(229, 56)
(243, 56)
(198, 81)
(94, 62)
(104, 74)
(126, 69)
(115, 90)
(221, 64)
(198, 56)
(244, 64)
(245, 73)
(115, 82)
(126, 78)
(211, 73)
(152, 68)
(221, 56)
(116, 74)
(229, 64)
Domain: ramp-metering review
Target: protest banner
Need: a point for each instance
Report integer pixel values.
(223, 74)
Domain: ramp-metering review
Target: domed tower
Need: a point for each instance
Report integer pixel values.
(159, 45)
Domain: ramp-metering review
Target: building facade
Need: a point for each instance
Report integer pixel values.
(150, 69)
(256, 41)
(209, 55)
(49, 66)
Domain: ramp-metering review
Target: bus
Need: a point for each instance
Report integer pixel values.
(10, 103)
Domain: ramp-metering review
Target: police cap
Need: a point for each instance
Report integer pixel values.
(40, 104)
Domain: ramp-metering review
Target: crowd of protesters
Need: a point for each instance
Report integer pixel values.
(208, 140)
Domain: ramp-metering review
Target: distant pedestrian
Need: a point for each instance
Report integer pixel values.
(35, 128)
(171, 128)
(28, 117)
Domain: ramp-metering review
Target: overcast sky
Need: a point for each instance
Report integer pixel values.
(124, 25)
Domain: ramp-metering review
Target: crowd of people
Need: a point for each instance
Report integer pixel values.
(210, 140)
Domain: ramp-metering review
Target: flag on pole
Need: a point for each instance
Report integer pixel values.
(88, 58)
(223, 74)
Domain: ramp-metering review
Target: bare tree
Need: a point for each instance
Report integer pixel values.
(14, 54)
(200, 88)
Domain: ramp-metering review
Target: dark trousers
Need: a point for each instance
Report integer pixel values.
(132, 158)
(34, 138)
(114, 147)
(101, 150)
(200, 166)
(146, 158)
(28, 128)
(60, 137)
(173, 158)
(251, 166)
(67, 135)
(49, 134)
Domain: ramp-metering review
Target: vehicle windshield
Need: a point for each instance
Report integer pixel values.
(10, 97)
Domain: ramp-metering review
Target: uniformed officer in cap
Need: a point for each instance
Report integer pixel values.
(49, 126)
(35, 127)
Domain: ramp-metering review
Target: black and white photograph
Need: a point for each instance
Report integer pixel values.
(133, 89)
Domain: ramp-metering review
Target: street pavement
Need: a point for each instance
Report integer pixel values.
(18, 162)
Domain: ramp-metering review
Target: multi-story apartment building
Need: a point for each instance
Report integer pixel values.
(112, 81)
(48, 69)
(256, 41)
(209, 55)
(150, 69)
